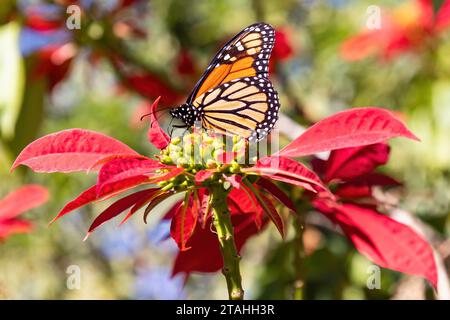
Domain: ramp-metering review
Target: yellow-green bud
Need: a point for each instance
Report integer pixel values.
(211, 164)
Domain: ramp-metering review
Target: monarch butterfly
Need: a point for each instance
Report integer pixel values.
(234, 95)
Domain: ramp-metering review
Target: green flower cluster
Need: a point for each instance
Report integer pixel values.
(199, 151)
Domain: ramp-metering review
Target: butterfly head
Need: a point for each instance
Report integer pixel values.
(186, 113)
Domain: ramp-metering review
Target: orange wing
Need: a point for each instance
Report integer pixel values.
(246, 55)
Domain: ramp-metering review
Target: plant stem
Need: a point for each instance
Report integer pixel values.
(299, 252)
(225, 234)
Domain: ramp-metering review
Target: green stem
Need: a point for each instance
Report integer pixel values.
(299, 253)
(225, 234)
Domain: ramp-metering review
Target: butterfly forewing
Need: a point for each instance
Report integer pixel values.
(246, 55)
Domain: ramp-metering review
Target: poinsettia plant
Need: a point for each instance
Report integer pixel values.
(225, 198)
(16, 203)
(350, 172)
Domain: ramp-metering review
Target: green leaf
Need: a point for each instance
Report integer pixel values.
(11, 79)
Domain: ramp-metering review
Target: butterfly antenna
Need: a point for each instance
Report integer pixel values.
(156, 112)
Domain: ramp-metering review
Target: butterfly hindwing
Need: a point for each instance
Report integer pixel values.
(246, 55)
(247, 107)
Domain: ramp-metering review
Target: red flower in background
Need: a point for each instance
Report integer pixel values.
(55, 58)
(16, 203)
(404, 29)
(185, 63)
(283, 48)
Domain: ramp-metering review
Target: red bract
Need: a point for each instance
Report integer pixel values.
(155, 134)
(380, 238)
(383, 240)
(184, 221)
(288, 171)
(16, 203)
(204, 240)
(404, 29)
(353, 162)
(70, 150)
(350, 128)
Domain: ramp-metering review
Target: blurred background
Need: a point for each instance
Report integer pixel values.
(95, 64)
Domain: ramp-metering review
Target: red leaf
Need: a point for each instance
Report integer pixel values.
(157, 199)
(152, 193)
(21, 200)
(347, 163)
(204, 207)
(443, 17)
(350, 128)
(242, 201)
(118, 186)
(265, 204)
(69, 150)
(279, 194)
(121, 171)
(184, 222)
(96, 166)
(273, 214)
(116, 208)
(155, 134)
(375, 179)
(288, 171)
(362, 186)
(90, 195)
(87, 196)
(151, 87)
(352, 191)
(173, 209)
(383, 240)
(257, 209)
(203, 175)
(204, 255)
(12, 226)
